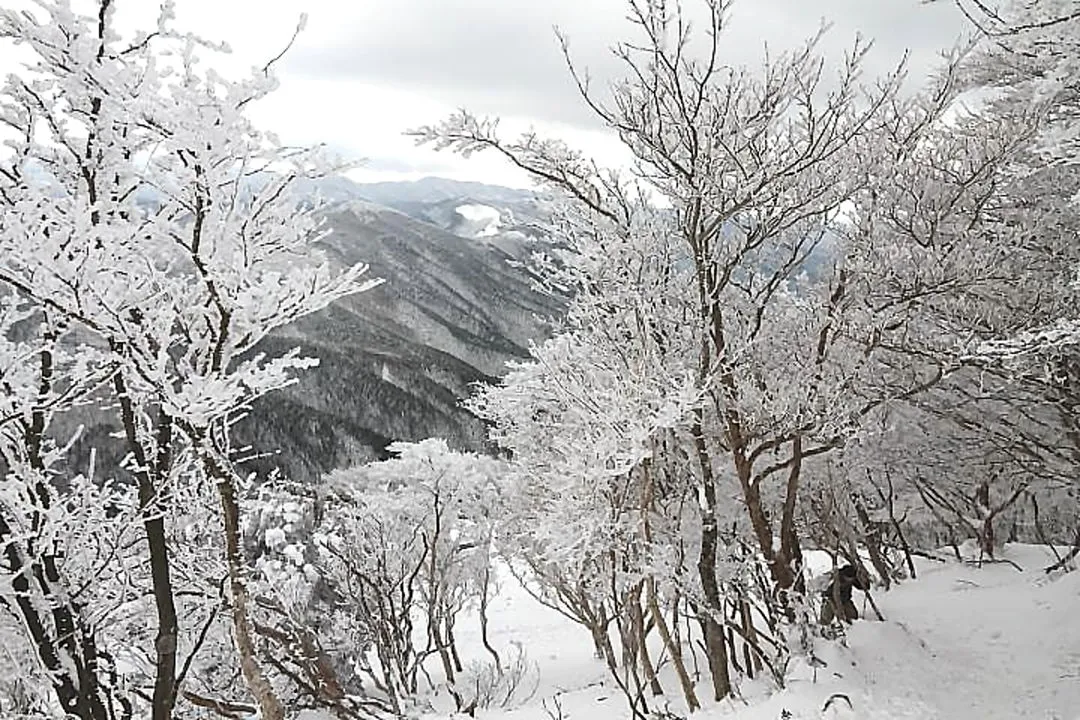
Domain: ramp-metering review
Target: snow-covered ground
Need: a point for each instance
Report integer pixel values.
(482, 220)
(960, 642)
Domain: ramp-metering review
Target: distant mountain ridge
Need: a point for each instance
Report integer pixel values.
(504, 216)
(435, 189)
(398, 360)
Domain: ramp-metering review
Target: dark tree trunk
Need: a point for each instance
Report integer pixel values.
(149, 475)
(986, 531)
(672, 646)
(788, 574)
(714, 635)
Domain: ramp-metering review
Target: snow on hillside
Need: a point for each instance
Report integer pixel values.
(483, 220)
(960, 642)
(989, 643)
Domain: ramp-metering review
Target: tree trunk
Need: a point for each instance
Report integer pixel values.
(733, 655)
(602, 644)
(452, 642)
(714, 636)
(631, 641)
(716, 653)
(258, 685)
(148, 476)
(71, 659)
(788, 563)
(890, 504)
(986, 530)
(871, 536)
(161, 580)
(638, 619)
(485, 590)
(1064, 561)
(759, 522)
(66, 646)
(443, 647)
(672, 646)
(753, 660)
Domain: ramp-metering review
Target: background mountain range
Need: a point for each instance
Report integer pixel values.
(398, 360)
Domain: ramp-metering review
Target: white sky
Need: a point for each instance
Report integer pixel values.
(365, 70)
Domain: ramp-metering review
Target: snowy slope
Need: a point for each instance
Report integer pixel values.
(959, 643)
(990, 643)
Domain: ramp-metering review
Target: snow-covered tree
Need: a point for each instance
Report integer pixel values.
(403, 546)
(1030, 55)
(147, 218)
(1027, 61)
(832, 248)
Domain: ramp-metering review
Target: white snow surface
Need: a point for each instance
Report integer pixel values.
(985, 643)
(274, 538)
(960, 642)
(485, 219)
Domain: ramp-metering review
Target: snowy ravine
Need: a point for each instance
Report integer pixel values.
(960, 642)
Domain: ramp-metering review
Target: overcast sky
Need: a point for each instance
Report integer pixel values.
(365, 70)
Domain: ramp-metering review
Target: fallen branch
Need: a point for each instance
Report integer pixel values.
(873, 605)
(993, 561)
(833, 698)
(224, 708)
(1068, 556)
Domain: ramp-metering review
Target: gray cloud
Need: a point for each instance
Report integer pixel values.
(493, 56)
(365, 70)
(501, 56)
